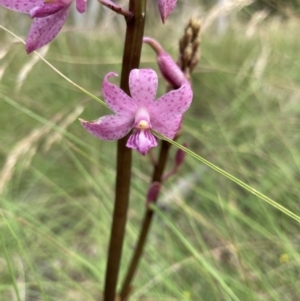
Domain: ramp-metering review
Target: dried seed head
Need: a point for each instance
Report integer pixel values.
(189, 47)
(194, 61)
(195, 24)
(186, 39)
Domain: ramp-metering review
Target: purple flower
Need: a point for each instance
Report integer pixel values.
(165, 8)
(140, 112)
(49, 17)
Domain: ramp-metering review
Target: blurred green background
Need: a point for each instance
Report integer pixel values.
(57, 182)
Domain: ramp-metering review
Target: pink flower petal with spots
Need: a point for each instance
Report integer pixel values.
(110, 127)
(81, 5)
(45, 10)
(165, 8)
(174, 102)
(44, 30)
(117, 100)
(142, 141)
(166, 125)
(143, 86)
(22, 6)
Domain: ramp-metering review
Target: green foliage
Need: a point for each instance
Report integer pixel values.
(211, 240)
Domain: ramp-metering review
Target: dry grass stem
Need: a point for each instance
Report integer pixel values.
(28, 66)
(29, 144)
(67, 120)
(221, 10)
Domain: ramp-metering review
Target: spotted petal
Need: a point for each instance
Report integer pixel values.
(110, 127)
(117, 100)
(22, 6)
(46, 10)
(165, 8)
(44, 30)
(142, 141)
(81, 5)
(143, 86)
(173, 103)
(166, 125)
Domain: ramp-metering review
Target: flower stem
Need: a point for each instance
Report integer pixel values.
(131, 60)
(116, 8)
(148, 215)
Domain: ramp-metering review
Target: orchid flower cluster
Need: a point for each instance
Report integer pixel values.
(139, 112)
(137, 116)
(49, 16)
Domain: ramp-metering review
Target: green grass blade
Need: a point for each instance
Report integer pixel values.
(233, 178)
(195, 253)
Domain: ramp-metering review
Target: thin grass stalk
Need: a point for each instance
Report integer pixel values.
(131, 60)
(11, 271)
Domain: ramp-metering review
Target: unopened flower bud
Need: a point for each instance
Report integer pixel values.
(169, 69)
(153, 193)
(180, 156)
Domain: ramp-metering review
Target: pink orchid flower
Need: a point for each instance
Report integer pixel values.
(49, 17)
(165, 8)
(140, 112)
